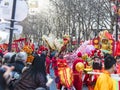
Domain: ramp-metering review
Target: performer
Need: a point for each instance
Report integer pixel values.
(105, 44)
(77, 71)
(97, 67)
(118, 64)
(101, 84)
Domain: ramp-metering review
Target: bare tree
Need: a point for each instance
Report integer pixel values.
(82, 19)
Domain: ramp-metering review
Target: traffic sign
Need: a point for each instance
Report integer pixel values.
(6, 27)
(4, 37)
(21, 9)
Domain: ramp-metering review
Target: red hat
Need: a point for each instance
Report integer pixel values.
(42, 48)
(79, 54)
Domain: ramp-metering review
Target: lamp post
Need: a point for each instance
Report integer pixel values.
(12, 25)
(116, 33)
(116, 13)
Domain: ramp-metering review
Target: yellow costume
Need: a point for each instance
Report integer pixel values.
(105, 82)
(105, 45)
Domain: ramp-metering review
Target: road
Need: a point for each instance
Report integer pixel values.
(53, 85)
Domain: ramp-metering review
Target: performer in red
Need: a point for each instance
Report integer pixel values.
(118, 64)
(77, 72)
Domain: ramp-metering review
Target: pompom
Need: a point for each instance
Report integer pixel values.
(79, 66)
(79, 54)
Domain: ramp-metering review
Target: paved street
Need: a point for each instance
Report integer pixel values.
(53, 85)
(85, 88)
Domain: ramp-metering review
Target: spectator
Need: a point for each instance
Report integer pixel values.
(5, 76)
(12, 59)
(35, 52)
(19, 63)
(7, 58)
(33, 77)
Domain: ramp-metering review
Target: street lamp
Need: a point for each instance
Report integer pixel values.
(117, 14)
(12, 25)
(116, 37)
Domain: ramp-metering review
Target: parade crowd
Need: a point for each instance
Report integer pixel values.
(30, 68)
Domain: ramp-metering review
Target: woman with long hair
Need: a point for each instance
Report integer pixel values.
(33, 77)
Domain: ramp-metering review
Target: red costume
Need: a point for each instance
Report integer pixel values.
(48, 62)
(77, 76)
(117, 69)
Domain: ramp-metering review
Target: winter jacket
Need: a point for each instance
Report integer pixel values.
(28, 82)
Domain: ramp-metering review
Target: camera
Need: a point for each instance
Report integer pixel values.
(2, 70)
(15, 75)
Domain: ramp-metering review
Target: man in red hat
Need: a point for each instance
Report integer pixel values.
(77, 74)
